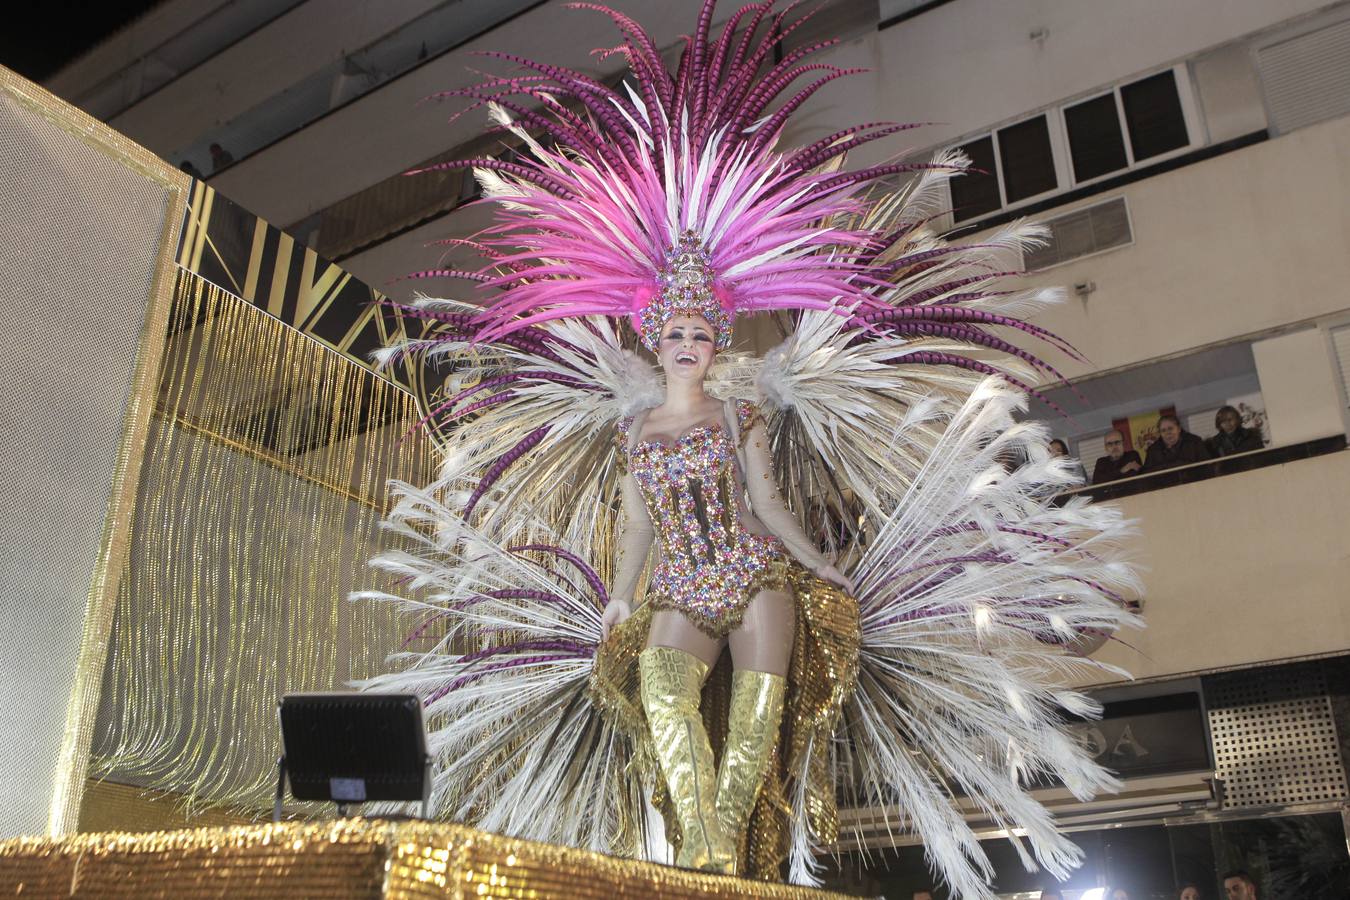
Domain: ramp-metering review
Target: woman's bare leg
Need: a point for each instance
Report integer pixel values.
(671, 629)
(763, 643)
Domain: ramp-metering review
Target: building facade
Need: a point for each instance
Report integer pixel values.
(1192, 163)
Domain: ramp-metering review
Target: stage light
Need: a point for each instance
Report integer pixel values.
(353, 748)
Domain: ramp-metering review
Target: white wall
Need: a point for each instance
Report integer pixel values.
(1236, 245)
(280, 54)
(1298, 382)
(388, 131)
(972, 63)
(1242, 569)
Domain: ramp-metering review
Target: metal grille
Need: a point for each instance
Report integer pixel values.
(79, 241)
(1083, 232)
(1340, 341)
(1275, 737)
(1307, 77)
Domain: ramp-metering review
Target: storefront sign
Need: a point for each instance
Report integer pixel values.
(1149, 736)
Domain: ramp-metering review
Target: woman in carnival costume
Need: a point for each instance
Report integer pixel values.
(560, 706)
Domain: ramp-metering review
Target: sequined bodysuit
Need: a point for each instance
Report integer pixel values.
(710, 565)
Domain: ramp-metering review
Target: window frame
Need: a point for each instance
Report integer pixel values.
(1057, 127)
(1062, 115)
(1055, 131)
(998, 179)
(1054, 136)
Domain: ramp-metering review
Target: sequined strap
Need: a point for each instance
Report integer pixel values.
(626, 431)
(622, 440)
(735, 418)
(747, 414)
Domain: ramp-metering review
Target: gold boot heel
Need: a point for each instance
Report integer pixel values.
(671, 682)
(752, 731)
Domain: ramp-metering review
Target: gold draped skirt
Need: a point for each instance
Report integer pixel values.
(821, 677)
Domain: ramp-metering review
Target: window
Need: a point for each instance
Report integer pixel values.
(1096, 145)
(1013, 163)
(1340, 342)
(1142, 120)
(1149, 111)
(1153, 113)
(1028, 161)
(976, 192)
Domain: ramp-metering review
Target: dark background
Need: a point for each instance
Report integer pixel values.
(40, 38)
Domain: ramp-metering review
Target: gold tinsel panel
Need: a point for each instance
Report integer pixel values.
(109, 806)
(349, 858)
(260, 500)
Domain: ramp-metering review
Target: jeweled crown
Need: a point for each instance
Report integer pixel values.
(686, 282)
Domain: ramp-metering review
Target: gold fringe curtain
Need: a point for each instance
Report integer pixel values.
(261, 493)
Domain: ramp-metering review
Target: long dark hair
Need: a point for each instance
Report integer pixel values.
(1227, 409)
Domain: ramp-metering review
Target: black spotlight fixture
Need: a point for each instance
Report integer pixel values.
(353, 748)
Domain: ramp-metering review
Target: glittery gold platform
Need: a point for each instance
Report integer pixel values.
(350, 858)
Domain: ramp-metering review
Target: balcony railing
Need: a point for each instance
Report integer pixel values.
(1210, 468)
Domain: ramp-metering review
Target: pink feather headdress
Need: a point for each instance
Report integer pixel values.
(670, 196)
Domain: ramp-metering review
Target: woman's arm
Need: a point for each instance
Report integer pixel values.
(635, 541)
(767, 505)
(632, 547)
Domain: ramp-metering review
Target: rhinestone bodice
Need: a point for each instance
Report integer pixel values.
(709, 562)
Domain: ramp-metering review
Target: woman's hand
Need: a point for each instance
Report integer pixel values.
(829, 573)
(615, 612)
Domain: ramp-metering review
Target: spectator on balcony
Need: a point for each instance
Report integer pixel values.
(1060, 449)
(220, 157)
(1239, 886)
(1174, 447)
(1232, 437)
(1118, 463)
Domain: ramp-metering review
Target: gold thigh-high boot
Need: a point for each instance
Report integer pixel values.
(752, 730)
(671, 684)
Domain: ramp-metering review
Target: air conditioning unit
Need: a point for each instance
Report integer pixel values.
(1092, 229)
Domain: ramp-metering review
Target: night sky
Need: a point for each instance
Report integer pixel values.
(48, 35)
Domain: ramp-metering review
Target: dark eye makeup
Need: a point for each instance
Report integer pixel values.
(676, 334)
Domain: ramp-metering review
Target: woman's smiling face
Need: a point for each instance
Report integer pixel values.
(688, 345)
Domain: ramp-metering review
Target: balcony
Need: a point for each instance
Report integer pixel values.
(1246, 569)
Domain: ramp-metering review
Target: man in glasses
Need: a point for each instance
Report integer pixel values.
(1117, 463)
